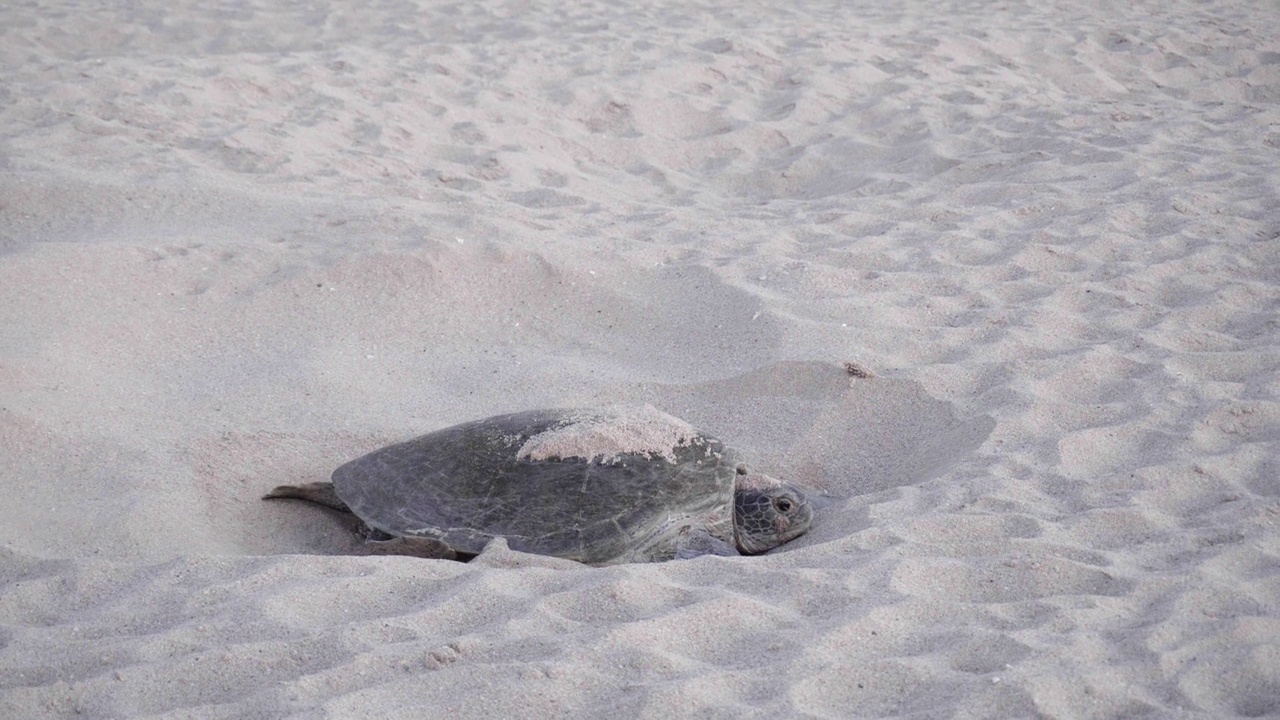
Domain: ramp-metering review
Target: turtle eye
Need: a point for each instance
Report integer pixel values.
(783, 504)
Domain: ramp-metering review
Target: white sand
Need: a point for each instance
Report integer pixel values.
(239, 247)
(604, 434)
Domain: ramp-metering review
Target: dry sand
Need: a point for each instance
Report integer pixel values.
(241, 246)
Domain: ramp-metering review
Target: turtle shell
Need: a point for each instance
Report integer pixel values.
(601, 486)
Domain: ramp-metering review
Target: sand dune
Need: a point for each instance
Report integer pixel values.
(242, 245)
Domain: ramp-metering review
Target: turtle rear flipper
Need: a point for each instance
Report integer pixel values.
(320, 493)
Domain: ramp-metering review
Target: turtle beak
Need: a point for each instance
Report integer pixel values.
(789, 528)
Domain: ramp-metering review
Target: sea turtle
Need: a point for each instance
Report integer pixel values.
(601, 486)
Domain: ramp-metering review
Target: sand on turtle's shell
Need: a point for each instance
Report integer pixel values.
(609, 433)
(756, 481)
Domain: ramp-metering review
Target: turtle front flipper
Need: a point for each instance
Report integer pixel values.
(320, 493)
(698, 541)
(423, 547)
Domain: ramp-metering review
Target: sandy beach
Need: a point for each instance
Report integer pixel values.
(242, 244)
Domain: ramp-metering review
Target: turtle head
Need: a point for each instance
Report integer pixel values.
(767, 512)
